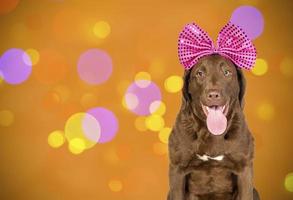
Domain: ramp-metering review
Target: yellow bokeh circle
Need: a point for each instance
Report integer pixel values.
(260, 67)
(158, 108)
(1, 77)
(289, 182)
(142, 79)
(154, 122)
(286, 67)
(115, 185)
(265, 111)
(140, 123)
(6, 118)
(76, 145)
(102, 29)
(173, 84)
(164, 134)
(123, 102)
(56, 139)
(74, 129)
(33, 55)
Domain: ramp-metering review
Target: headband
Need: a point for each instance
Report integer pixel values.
(232, 43)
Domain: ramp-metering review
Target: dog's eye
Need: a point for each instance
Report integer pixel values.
(227, 73)
(199, 73)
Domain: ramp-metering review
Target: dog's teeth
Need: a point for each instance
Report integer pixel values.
(208, 108)
(223, 108)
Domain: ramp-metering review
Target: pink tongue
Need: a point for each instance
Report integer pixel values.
(216, 121)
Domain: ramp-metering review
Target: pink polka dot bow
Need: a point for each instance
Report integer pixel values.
(232, 43)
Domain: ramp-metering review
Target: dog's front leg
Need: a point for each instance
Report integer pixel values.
(245, 183)
(177, 183)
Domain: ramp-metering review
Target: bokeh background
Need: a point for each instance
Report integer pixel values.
(89, 91)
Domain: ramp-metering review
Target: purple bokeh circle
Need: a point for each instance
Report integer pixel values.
(15, 66)
(249, 19)
(94, 66)
(107, 121)
(145, 96)
(91, 128)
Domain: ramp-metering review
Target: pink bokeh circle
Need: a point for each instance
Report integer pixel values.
(108, 123)
(94, 66)
(143, 96)
(249, 19)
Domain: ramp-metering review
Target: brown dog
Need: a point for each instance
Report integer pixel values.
(204, 165)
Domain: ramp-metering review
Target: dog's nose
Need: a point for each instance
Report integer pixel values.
(213, 95)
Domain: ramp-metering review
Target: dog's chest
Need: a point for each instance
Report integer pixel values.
(213, 148)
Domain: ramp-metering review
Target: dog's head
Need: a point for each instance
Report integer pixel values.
(213, 85)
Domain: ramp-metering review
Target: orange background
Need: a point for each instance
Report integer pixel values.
(143, 38)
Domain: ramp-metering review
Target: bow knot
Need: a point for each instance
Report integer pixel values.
(215, 50)
(232, 43)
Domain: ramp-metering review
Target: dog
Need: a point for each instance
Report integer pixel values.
(206, 166)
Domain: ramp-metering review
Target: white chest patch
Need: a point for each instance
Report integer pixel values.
(206, 157)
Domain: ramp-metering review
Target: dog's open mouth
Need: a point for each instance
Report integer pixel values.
(216, 118)
(207, 109)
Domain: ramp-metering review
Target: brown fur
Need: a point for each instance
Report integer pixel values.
(191, 178)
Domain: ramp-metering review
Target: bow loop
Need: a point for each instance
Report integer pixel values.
(232, 42)
(193, 43)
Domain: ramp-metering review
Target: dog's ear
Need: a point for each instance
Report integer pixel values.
(242, 86)
(186, 97)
